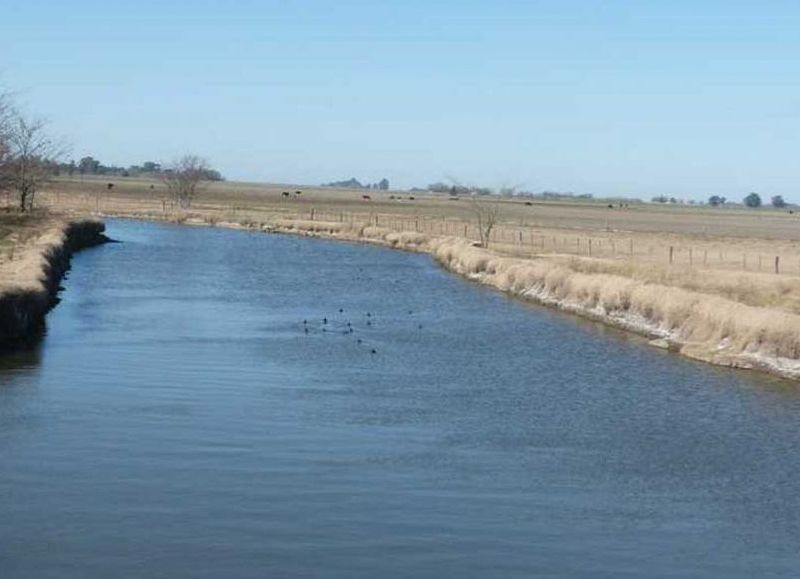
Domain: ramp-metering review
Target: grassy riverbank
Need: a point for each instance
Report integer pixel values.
(701, 281)
(35, 251)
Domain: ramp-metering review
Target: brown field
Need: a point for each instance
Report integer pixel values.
(726, 251)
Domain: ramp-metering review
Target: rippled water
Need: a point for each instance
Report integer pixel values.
(179, 421)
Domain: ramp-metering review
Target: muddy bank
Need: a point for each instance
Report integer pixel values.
(29, 284)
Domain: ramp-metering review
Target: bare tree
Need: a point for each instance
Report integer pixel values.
(5, 149)
(185, 178)
(486, 213)
(27, 155)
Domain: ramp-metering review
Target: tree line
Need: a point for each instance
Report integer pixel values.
(752, 200)
(353, 183)
(30, 158)
(91, 166)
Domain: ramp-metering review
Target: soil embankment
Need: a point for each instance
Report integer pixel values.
(29, 280)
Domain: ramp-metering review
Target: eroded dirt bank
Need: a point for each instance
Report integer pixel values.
(29, 280)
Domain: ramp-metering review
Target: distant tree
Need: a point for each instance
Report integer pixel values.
(351, 183)
(185, 177)
(440, 187)
(383, 184)
(778, 202)
(660, 199)
(88, 166)
(716, 200)
(151, 167)
(753, 200)
(28, 156)
(673, 200)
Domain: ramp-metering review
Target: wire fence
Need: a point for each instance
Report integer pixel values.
(506, 238)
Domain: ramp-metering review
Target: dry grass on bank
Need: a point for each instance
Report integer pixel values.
(23, 239)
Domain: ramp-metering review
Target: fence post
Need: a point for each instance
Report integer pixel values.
(777, 264)
(671, 251)
(312, 214)
(590, 248)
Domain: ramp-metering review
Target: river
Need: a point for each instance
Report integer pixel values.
(219, 403)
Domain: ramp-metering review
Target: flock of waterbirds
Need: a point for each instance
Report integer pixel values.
(339, 325)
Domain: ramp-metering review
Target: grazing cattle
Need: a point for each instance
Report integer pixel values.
(297, 192)
(610, 206)
(366, 197)
(285, 193)
(110, 186)
(411, 198)
(528, 203)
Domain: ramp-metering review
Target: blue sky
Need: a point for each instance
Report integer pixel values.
(614, 98)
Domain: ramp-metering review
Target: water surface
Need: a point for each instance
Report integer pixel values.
(179, 421)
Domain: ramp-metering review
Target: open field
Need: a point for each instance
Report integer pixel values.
(729, 252)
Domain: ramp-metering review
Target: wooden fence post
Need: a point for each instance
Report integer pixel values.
(671, 251)
(777, 264)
